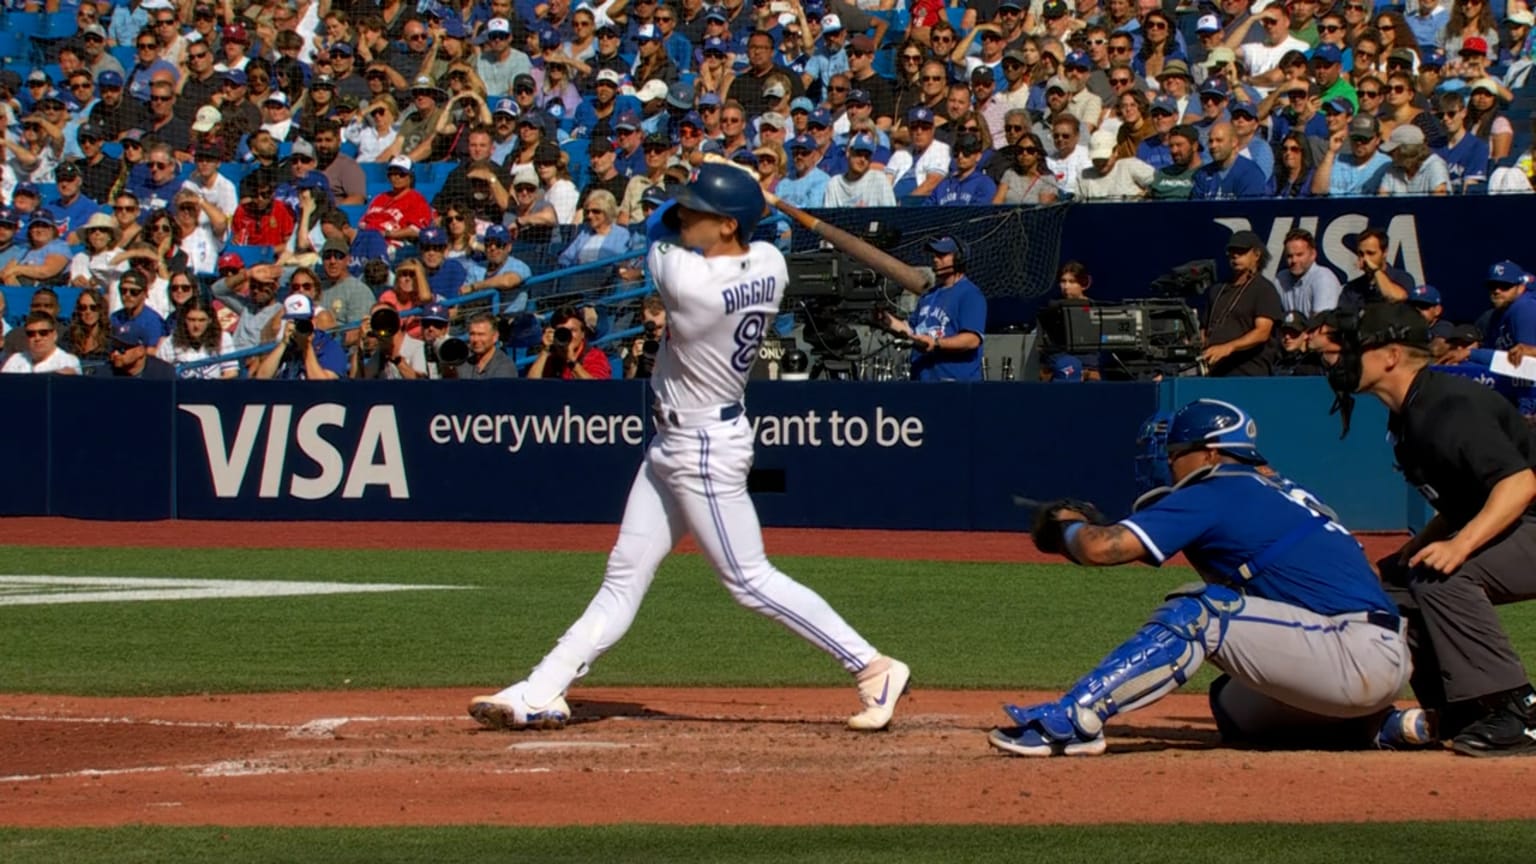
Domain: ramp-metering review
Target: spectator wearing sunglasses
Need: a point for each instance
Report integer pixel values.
(1262, 58)
(134, 312)
(43, 354)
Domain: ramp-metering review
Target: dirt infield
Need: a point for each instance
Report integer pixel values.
(694, 756)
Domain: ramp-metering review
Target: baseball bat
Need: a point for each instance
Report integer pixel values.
(909, 278)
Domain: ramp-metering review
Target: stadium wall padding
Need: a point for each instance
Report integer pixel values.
(829, 454)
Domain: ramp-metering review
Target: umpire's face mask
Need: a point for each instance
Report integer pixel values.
(1344, 373)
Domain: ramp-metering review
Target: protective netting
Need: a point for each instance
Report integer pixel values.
(1010, 251)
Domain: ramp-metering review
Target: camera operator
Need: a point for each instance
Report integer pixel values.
(565, 353)
(434, 334)
(640, 356)
(486, 359)
(946, 326)
(1242, 313)
(386, 351)
(301, 350)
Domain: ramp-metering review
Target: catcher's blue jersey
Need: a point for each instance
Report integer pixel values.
(1245, 530)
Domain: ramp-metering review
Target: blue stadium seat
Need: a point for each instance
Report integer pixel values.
(13, 46)
(126, 55)
(48, 191)
(431, 176)
(54, 73)
(884, 63)
(576, 153)
(235, 171)
(376, 176)
(59, 25)
(26, 23)
(956, 14)
(113, 149)
(349, 149)
(354, 212)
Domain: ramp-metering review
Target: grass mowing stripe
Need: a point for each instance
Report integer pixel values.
(958, 625)
(1375, 843)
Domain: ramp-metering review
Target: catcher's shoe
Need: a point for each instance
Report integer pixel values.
(882, 683)
(1032, 741)
(508, 710)
(1407, 729)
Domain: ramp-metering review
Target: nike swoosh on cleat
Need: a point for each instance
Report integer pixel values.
(885, 690)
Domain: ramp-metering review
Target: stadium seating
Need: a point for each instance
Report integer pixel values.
(253, 254)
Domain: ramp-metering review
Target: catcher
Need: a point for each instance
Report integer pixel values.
(1289, 608)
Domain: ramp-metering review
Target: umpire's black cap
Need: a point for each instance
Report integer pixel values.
(1393, 324)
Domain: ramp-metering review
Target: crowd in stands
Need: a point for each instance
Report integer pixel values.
(407, 153)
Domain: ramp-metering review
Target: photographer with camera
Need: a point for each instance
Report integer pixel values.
(444, 353)
(301, 350)
(565, 353)
(945, 329)
(385, 351)
(486, 359)
(640, 356)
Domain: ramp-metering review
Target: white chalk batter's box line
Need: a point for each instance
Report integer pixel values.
(40, 590)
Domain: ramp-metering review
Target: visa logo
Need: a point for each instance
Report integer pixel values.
(1402, 241)
(375, 461)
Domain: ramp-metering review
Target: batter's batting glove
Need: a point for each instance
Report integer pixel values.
(1052, 519)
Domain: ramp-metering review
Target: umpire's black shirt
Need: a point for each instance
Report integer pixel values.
(1455, 439)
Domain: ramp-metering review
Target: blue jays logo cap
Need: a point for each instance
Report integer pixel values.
(506, 106)
(919, 115)
(1065, 368)
(109, 78)
(861, 97)
(861, 144)
(434, 312)
(125, 335)
(432, 236)
(715, 43)
(1078, 60)
(1424, 295)
(716, 13)
(1245, 109)
(1165, 104)
(1507, 273)
(802, 142)
(8, 217)
(498, 234)
(1432, 58)
(1329, 54)
(1214, 87)
(820, 117)
(1338, 105)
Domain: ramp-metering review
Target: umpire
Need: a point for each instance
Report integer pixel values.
(1470, 454)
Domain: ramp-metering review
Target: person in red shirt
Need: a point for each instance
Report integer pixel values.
(400, 213)
(566, 354)
(261, 220)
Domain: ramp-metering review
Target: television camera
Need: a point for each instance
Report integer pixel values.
(1140, 338)
(839, 301)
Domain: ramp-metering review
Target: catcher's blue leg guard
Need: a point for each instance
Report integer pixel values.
(1159, 658)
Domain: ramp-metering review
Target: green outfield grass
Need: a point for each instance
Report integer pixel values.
(958, 625)
(1391, 843)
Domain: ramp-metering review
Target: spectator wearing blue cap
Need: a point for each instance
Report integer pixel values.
(818, 126)
(10, 248)
(1082, 103)
(133, 355)
(1153, 150)
(497, 268)
(966, 185)
(922, 166)
(1245, 128)
(303, 176)
(1066, 369)
(445, 276)
(652, 63)
(859, 186)
(1328, 71)
(1228, 173)
(806, 186)
(1465, 154)
(947, 324)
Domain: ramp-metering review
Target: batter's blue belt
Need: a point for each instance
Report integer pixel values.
(698, 416)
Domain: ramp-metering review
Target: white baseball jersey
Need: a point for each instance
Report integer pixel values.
(718, 310)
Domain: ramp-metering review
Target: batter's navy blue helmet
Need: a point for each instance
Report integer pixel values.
(1215, 425)
(724, 191)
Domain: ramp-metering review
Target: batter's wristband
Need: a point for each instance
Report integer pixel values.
(1067, 535)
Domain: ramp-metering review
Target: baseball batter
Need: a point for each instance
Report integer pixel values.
(1288, 608)
(721, 294)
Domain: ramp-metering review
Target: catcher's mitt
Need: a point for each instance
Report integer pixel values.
(1052, 519)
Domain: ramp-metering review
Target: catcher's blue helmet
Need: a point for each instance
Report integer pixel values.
(1215, 425)
(724, 191)
(1152, 468)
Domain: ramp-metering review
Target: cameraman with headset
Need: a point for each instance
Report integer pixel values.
(640, 357)
(566, 354)
(301, 350)
(945, 329)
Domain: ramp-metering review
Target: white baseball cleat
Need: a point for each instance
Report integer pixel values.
(881, 684)
(1031, 741)
(508, 710)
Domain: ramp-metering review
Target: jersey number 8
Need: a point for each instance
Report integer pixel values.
(749, 335)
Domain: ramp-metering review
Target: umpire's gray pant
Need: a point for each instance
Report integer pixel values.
(1460, 650)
